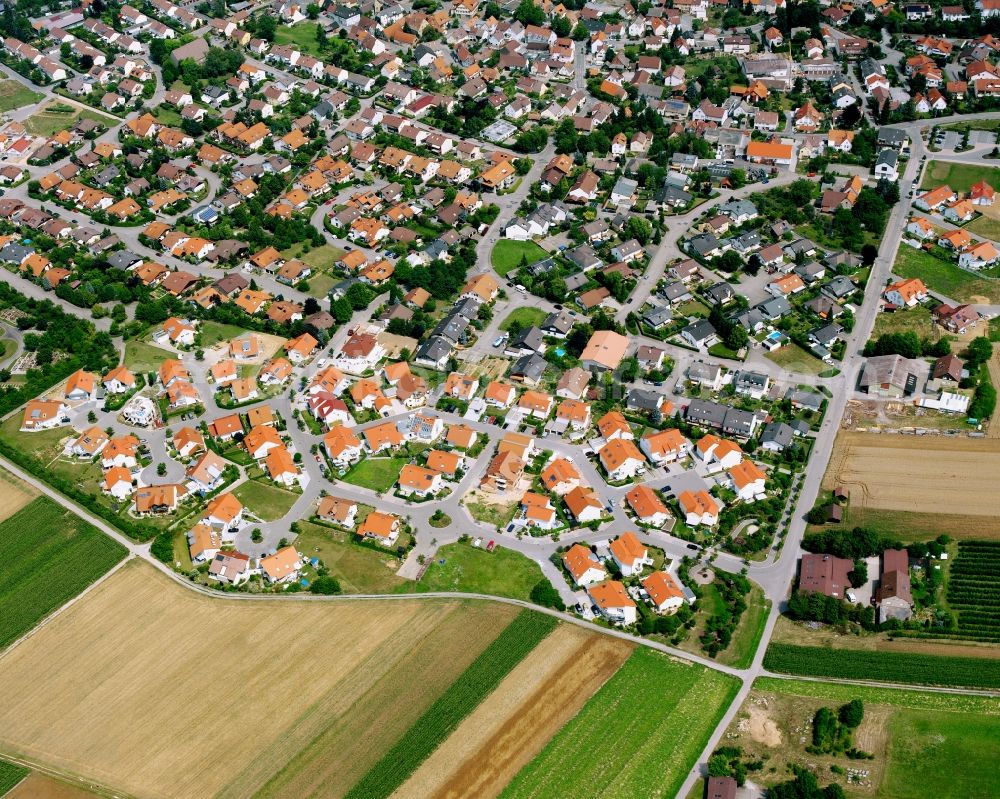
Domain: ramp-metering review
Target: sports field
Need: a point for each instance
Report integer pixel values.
(920, 474)
(49, 556)
(916, 738)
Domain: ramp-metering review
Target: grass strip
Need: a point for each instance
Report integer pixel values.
(49, 555)
(463, 696)
(902, 667)
(10, 775)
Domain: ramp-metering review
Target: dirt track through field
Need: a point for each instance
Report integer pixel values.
(513, 724)
(158, 692)
(922, 474)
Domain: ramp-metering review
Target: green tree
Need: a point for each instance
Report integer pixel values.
(325, 585)
(528, 13)
(852, 714)
(561, 26)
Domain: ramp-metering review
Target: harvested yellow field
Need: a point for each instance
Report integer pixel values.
(14, 494)
(39, 786)
(514, 722)
(921, 474)
(157, 691)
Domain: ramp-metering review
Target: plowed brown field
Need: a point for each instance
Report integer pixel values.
(513, 724)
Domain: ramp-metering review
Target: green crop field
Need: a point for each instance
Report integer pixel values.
(638, 735)
(463, 696)
(49, 556)
(928, 733)
(10, 775)
(507, 254)
(902, 667)
(501, 572)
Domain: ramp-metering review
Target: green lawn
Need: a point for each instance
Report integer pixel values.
(929, 734)
(10, 775)
(322, 257)
(525, 317)
(214, 332)
(320, 284)
(507, 254)
(796, 359)
(7, 347)
(42, 445)
(141, 357)
(378, 474)
(960, 177)
(639, 735)
(268, 502)
(14, 94)
(168, 116)
(945, 277)
(501, 572)
(302, 35)
(49, 556)
(493, 513)
(360, 569)
(55, 117)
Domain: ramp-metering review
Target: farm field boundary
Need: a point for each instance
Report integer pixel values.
(519, 638)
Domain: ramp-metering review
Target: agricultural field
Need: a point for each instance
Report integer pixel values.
(898, 667)
(960, 177)
(10, 775)
(507, 255)
(40, 786)
(945, 277)
(920, 475)
(482, 676)
(50, 556)
(973, 592)
(311, 726)
(266, 502)
(637, 736)
(378, 474)
(14, 494)
(14, 94)
(541, 693)
(463, 567)
(916, 739)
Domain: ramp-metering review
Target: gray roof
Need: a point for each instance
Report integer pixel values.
(777, 433)
(699, 330)
(531, 367)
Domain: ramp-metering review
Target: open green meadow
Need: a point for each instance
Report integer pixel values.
(637, 736)
(49, 556)
(54, 117)
(378, 474)
(463, 567)
(265, 501)
(524, 317)
(141, 357)
(945, 277)
(359, 569)
(960, 177)
(14, 94)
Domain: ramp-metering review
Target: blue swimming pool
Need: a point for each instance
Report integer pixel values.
(560, 351)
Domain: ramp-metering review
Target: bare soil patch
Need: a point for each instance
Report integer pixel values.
(918, 473)
(40, 786)
(762, 727)
(513, 724)
(156, 691)
(14, 494)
